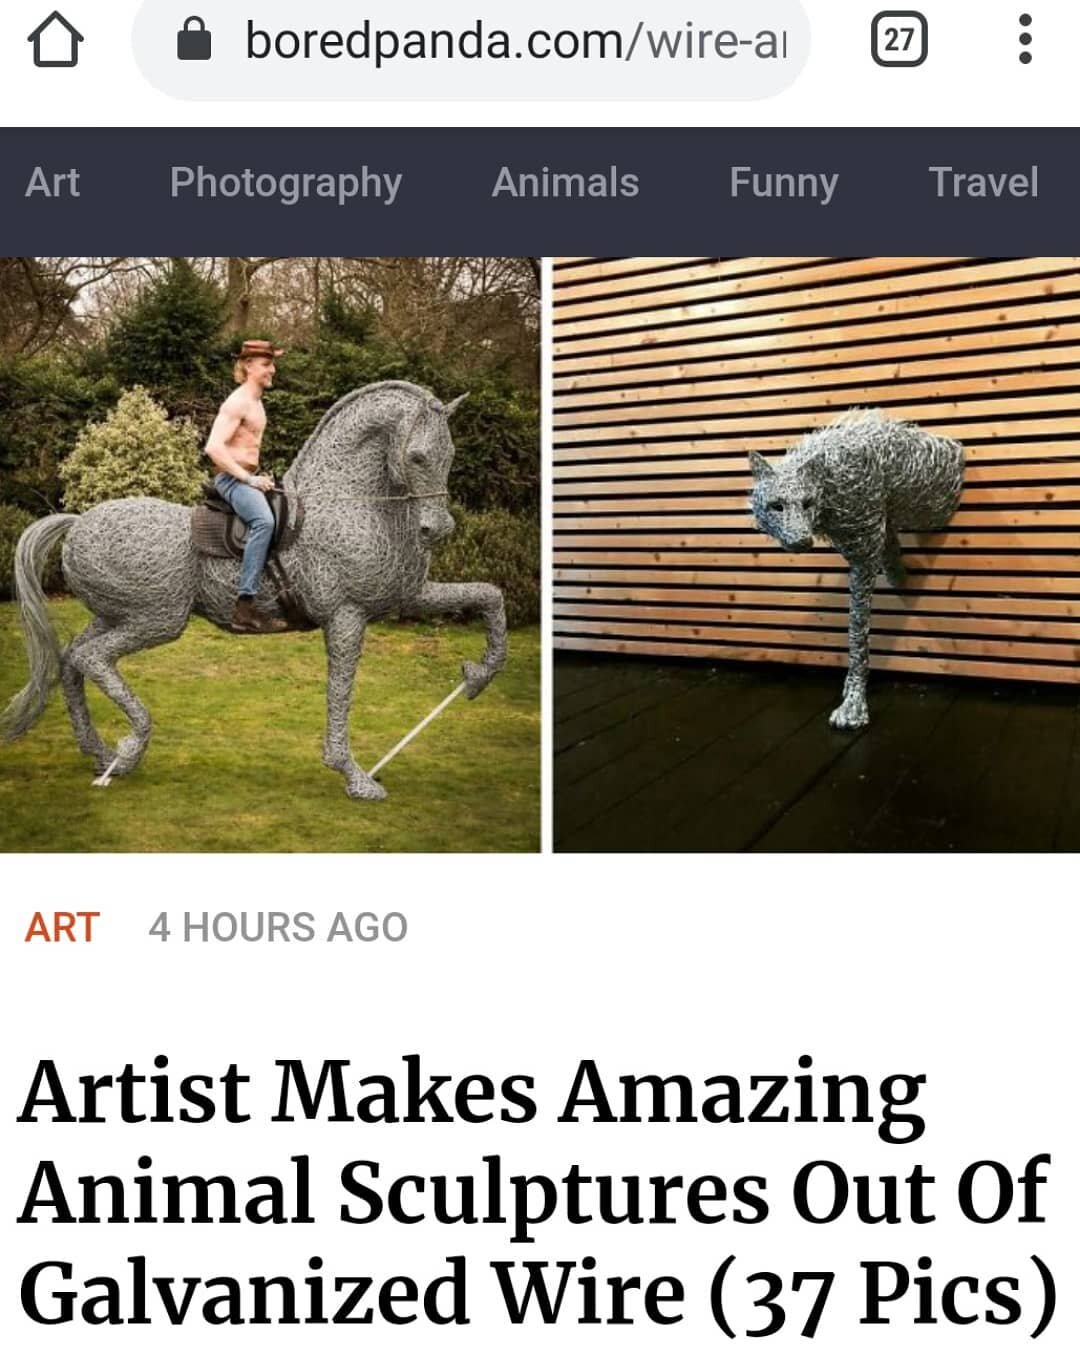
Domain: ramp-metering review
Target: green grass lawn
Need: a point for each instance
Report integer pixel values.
(234, 761)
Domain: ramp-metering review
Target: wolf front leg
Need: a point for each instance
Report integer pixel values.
(853, 712)
(468, 597)
(893, 560)
(343, 633)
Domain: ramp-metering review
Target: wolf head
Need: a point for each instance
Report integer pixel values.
(785, 500)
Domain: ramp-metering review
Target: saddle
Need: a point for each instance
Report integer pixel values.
(218, 532)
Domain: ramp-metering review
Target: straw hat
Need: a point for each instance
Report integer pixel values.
(259, 347)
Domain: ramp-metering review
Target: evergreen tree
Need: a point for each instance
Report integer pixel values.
(171, 342)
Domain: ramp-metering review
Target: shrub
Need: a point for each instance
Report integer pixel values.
(498, 547)
(135, 452)
(12, 523)
(497, 438)
(44, 402)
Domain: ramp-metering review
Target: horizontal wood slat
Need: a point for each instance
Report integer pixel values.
(654, 403)
(986, 586)
(632, 272)
(723, 475)
(697, 620)
(674, 537)
(902, 352)
(1064, 445)
(823, 561)
(688, 343)
(765, 602)
(748, 316)
(931, 412)
(669, 371)
(705, 282)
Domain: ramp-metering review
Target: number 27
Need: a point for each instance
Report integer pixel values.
(893, 42)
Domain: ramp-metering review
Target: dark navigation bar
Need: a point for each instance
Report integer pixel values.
(537, 191)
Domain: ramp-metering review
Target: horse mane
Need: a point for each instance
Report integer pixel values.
(346, 401)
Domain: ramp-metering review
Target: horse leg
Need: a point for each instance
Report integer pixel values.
(343, 634)
(469, 597)
(853, 712)
(73, 684)
(95, 658)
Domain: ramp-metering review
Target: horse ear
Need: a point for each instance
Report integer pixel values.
(456, 403)
(760, 466)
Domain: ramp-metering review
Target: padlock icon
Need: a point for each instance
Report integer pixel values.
(193, 40)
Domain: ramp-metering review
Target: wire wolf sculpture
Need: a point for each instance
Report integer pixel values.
(372, 481)
(858, 482)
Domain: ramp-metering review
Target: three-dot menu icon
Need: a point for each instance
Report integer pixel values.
(1025, 39)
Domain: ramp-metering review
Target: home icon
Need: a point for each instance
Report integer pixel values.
(56, 42)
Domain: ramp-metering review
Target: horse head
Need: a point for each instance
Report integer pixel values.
(387, 441)
(419, 464)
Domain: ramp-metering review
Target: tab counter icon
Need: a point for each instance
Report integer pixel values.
(899, 37)
(193, 41)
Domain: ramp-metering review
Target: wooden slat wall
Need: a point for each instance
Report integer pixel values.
(669, 370)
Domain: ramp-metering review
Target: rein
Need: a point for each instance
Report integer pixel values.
(342, 497)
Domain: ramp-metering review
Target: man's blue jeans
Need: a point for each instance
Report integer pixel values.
(254, 510)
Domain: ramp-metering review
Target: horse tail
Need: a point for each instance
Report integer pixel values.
(42, 644)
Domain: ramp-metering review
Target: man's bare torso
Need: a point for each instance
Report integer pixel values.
(245, 441)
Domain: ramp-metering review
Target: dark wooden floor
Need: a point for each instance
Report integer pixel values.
(654, 757)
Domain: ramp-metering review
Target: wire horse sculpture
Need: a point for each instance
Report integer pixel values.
(858, 482)
(373, 480)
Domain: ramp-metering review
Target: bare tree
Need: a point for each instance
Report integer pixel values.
(43, 300)
(239, 275)
(477, 311)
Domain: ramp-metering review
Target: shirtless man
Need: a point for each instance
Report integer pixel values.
(233, 447)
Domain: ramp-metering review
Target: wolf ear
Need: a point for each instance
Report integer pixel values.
(813, 469)
(760, 466)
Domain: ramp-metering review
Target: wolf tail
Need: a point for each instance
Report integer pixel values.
(42, 644)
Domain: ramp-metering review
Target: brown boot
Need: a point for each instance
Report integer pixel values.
(247, 619)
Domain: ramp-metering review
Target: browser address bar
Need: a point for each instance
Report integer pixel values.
(606, 50)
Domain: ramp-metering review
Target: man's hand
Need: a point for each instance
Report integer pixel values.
(261, 481)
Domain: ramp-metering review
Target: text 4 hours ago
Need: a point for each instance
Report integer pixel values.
(277, 926)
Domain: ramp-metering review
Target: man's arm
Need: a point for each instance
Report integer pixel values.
(226, 425)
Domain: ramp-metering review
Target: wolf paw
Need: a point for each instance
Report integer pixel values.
(851, 714)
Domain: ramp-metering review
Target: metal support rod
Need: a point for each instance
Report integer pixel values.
(103, 781)
(417, 729)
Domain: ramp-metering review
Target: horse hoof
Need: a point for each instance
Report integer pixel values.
(477, 678)
(126, 759)
(129, 752)
(365, 789)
